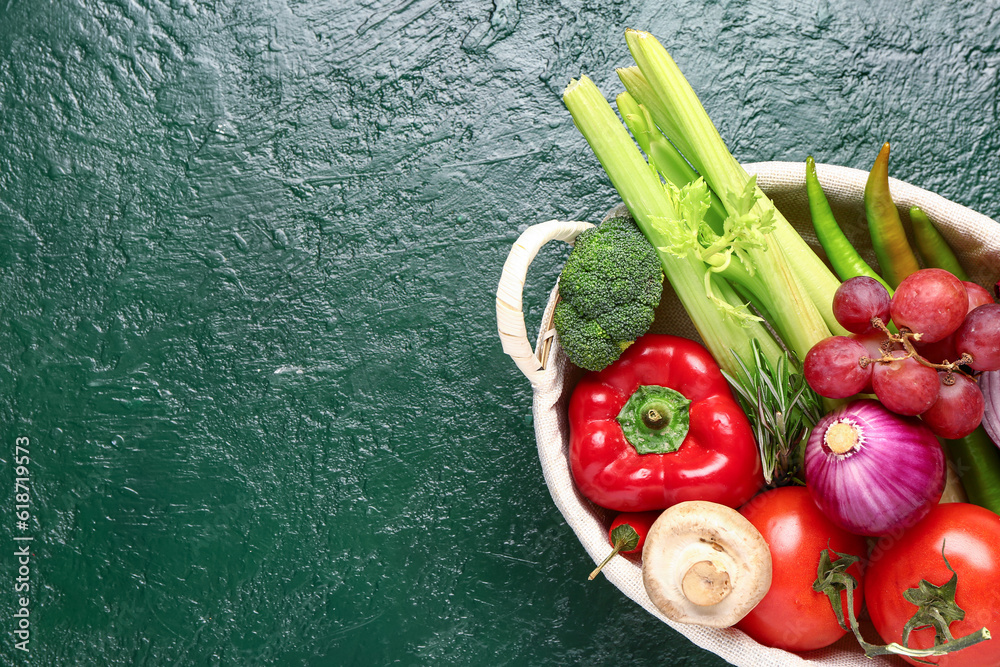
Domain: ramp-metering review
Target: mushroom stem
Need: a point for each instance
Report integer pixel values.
(704, 563)
(705, 585)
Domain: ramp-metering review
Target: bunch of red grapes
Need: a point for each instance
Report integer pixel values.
(948, 331)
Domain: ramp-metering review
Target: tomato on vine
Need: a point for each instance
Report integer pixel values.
(947, 566)
(793, 615)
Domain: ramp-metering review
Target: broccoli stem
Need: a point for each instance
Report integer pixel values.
(643, 193)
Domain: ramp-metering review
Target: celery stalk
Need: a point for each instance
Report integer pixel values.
(659, 86)
(724, 328)
(798, 319)
(662, 155)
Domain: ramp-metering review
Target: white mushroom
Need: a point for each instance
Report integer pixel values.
(703, 563)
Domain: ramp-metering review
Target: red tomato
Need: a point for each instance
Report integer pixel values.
(971, 539)
(792, 615)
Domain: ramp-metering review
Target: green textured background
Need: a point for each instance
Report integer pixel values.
(249, 252)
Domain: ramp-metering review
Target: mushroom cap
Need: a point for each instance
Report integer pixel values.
(705, 564)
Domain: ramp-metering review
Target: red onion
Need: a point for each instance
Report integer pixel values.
(872, 471)
(989, 382)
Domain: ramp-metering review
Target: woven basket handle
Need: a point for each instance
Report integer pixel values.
(510, 316)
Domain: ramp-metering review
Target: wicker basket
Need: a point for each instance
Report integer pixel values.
(974, 237)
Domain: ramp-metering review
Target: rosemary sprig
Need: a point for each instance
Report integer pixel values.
(782, 410)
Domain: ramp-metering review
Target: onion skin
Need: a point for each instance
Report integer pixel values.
(989, 382)
(886, 482)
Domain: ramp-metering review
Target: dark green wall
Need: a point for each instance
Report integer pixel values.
(248, 252)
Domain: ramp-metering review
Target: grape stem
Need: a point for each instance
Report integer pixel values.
(905, 338)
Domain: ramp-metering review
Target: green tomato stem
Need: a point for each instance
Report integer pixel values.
(624, 538)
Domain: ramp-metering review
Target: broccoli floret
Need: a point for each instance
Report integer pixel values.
(609, 288)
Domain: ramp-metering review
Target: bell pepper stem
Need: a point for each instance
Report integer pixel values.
(655, 419)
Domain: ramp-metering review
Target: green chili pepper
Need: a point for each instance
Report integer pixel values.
(846, 261)
(895, 257)
(977, 463)
(932, 247)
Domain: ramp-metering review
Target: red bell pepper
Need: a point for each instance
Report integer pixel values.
(660, 426)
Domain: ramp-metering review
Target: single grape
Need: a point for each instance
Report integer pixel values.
(958, 409)
(833, 367)
(904, 385)
(931, 302)
(979, 336)
(944, 350)
(857, 301)
(978, 295)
